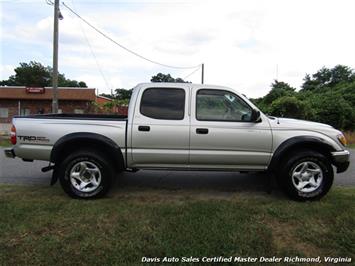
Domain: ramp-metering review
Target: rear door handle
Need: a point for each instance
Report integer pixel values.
(202, 130)
(144, 128)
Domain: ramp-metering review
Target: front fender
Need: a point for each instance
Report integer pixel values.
(299, 142)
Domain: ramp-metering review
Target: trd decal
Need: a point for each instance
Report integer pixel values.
(33, 138)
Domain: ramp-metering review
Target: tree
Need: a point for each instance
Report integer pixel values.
(327, 78)
(29, 74)
(323, 76)
(290, 106)
(341, 74)
(107, 95)
(278, 89)
(160, 77)
(327, 96)
(334, 110)
(34, 74)
(120, 97)
(64, 82)
(123, 94)
(309, 83)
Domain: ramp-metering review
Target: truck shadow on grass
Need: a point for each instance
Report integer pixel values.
(212, 184)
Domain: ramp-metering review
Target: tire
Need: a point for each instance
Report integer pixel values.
(86, 174)
(306, 175)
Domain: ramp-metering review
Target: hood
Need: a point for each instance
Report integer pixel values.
(290, 123)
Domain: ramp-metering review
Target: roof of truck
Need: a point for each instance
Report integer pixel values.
(169, 84)
(178, 84)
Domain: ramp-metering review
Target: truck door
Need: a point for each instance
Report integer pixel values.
(222, 134)
(160, 129)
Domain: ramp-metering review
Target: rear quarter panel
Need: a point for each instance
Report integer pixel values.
(36, 137)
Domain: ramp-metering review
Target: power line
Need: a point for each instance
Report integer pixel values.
(93, 53)
(193, 72)
(125, 48)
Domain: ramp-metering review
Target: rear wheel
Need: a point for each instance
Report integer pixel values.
(306, 175)
(86, 174)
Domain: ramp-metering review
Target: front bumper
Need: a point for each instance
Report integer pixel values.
(9, 153)
(341, 159)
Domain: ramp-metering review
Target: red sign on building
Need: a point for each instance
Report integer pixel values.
(38, 90)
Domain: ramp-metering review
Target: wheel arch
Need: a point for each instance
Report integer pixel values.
(300, 142)
(74, 141)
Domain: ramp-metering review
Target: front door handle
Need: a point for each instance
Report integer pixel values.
(202, 130)
(144, 128)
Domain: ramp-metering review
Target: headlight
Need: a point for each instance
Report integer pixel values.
(342, 139)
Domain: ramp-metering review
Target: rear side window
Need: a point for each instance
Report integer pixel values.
(163, 103)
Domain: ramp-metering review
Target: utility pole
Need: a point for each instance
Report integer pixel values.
(202, 73)
(55, 58)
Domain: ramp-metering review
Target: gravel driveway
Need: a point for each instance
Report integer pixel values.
(15, 171)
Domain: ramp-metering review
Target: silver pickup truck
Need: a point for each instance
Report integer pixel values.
(181, 127)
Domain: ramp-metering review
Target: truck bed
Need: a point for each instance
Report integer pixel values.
(76, 116)
(37, 134)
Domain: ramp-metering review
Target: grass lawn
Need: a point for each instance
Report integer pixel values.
(42, 226)
(4, 142)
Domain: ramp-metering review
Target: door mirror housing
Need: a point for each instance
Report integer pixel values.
(255, 116)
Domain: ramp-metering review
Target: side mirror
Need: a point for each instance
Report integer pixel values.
(255, 116)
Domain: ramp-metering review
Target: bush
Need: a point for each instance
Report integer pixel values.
(334, 110)
(290, 106)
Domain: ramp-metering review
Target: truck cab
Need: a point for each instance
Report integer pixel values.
(200, 127)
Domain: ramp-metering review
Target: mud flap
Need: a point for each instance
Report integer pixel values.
(54, 178)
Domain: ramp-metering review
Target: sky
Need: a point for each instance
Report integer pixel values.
(243, 44)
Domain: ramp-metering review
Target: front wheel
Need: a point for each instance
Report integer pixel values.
(306, 175)
(86, 174)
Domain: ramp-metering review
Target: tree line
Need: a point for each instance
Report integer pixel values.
(327, 96)
(34, 74)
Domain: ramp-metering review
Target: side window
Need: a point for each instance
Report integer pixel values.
(163, 103)
(219, 105)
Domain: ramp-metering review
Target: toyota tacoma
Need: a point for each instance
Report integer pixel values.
(184, 126)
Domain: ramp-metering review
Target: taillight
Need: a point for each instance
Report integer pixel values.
(13, 135)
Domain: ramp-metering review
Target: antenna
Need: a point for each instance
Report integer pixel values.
(277, 71)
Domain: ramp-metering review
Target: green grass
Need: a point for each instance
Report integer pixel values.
(352, 145)
(42, 226)
(4, 142)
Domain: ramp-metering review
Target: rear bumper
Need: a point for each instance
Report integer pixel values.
(341, 159)
(9, 153)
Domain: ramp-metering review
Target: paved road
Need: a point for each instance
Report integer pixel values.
(15, 171)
